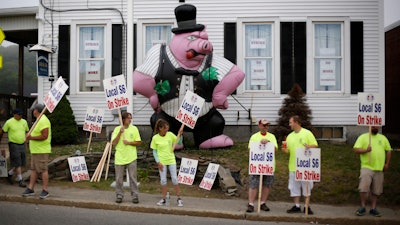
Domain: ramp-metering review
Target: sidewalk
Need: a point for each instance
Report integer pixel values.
(206, 207)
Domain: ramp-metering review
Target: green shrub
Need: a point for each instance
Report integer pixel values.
(64, 129)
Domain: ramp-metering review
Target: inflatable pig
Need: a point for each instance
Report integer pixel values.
(188, 63)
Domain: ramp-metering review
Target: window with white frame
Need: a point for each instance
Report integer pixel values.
(258, 56)
(157, 34)
(328, 56)
(91, 57)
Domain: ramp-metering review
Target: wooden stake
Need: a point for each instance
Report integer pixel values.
(90, 141)
(97, 171)
(37, 120)
(177, 138)
(259, 193)
(108, 161)
(369, 143)
(102, 162)
(307, 199)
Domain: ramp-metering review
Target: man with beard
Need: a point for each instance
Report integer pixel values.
(375, 153)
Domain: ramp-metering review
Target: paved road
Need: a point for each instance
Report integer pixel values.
(233, 208)
(12, 213)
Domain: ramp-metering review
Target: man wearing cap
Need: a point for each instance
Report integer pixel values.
(262, 137)
(40, 147)
(16, 127)
(300, 137)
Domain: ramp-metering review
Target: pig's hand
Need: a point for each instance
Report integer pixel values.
(155, 103)
(226, 87)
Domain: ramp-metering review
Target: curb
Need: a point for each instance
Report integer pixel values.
(199, 212)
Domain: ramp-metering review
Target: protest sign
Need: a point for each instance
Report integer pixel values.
(187, 171)
(261, 158)
(371, 109)
(209, 176)
(190, 109)
(3, 164)
(78, 168)
(116, 92)
(308, 164)
(93, 119)
(55, 94)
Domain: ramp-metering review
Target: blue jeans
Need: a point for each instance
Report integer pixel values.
(172, 172)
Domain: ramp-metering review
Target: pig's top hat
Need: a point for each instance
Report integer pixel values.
(186, 19)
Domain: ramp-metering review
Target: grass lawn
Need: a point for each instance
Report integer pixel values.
(339, 174)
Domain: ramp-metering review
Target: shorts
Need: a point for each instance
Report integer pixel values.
(371, 181)
(172, 173)
(39, 162)
(17, 154)
(254, 181)
(297, 188)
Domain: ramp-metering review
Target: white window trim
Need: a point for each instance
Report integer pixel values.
(276, 71)
(74, 68)
(345, 70)
(141, 34)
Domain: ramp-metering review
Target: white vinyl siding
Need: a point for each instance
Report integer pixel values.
(327, 108)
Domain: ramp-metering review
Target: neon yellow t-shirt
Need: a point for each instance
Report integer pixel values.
(41, 146)
(379, 145)
(16, 130)
(163, 146)
(257, 137)
(298, 140)
(125, 154)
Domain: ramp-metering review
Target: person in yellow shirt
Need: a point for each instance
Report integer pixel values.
(300, 137)
(375, 153)
(162, 144)
(16, 127)
(126, 138)
(40, 148)
(262, 137)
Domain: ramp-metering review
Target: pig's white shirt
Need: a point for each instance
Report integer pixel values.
(171, 107)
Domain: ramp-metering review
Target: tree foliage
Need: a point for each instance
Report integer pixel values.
(63, 125)
(294, 104)
(9, 72)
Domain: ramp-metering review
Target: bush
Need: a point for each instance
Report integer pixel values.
(294, 104)
(64, 129)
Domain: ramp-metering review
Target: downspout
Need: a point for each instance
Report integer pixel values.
(129, 57)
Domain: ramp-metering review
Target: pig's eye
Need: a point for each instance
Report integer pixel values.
(191, 38)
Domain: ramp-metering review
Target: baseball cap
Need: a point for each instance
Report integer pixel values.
(18, 111)
(38, 107)
(263, 122)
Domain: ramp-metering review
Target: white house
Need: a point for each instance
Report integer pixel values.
(333, 49)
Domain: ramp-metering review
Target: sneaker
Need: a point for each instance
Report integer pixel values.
(119, 199)
(375, 212)
(22, 184)
(264, 207)
(9, 179)
(360, 211)
(294, 209)
(44, 194)
(180, 202)
(310, 212)
(28, 192)
(161, 202)
(250, 208)
(135, 200)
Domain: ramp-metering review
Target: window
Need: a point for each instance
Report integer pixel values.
(157, 34)
(328, 56)
(293, 56)
(91, 57)
(258, 56)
